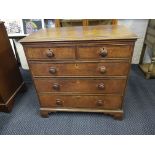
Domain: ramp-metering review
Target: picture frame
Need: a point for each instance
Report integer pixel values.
(32, 25)
(49, 23)
(14, 27)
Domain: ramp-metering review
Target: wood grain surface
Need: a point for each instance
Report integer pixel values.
(100, 32)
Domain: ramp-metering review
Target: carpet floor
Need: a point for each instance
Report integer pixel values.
(139, 118)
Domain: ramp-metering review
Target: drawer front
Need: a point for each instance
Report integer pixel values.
(51, 53)
(80, 69)
(102, 52)
(84, 101)
(81, 85)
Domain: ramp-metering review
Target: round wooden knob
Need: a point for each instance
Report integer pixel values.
(59, 102)
(103, 52)
(50, 54)
(52, 70)
(99, 103)
(56, 86)
(102, 69)
(101, 86)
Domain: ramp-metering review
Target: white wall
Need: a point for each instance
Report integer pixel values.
(21, 54)
(136, 25)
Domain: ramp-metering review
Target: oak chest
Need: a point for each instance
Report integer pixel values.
(82, 69)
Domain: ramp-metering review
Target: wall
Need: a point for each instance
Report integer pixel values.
(138, 26)
(21, 55)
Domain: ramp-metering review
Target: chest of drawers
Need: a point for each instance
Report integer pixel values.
(80, 69)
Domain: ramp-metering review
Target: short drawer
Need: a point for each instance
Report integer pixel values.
(51, 53)
(80, 69)
(84, 85)
(109, 102)
(105, 51)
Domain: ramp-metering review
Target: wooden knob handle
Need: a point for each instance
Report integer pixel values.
(59, 102)
(102, 69)
(52, 70)
(103, 52)
(50, 54)
(99, 103)
(101, 86)
(56, 86)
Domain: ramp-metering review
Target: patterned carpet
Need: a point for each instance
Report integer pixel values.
(139, 114)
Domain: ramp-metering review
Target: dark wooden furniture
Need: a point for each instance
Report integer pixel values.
(83, 69)
(149, 68)
(10, 78)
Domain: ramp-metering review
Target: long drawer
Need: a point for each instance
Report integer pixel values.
(83, 52)
(80, 69)
(51, 53)
(104, 51)
(80, 85)
(109, 102)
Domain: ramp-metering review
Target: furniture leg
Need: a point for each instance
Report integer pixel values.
(44, 113)
(118, 116)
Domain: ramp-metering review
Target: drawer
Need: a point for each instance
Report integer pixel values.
(80, 69)
(81, 85)
(84, 101)
(51, 53)
(105, 51)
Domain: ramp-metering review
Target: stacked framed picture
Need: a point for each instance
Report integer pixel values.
(14, 27)
(32, 25)
(20, 27)
(48, 23)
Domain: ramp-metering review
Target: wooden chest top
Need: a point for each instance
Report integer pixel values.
(78, 33)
